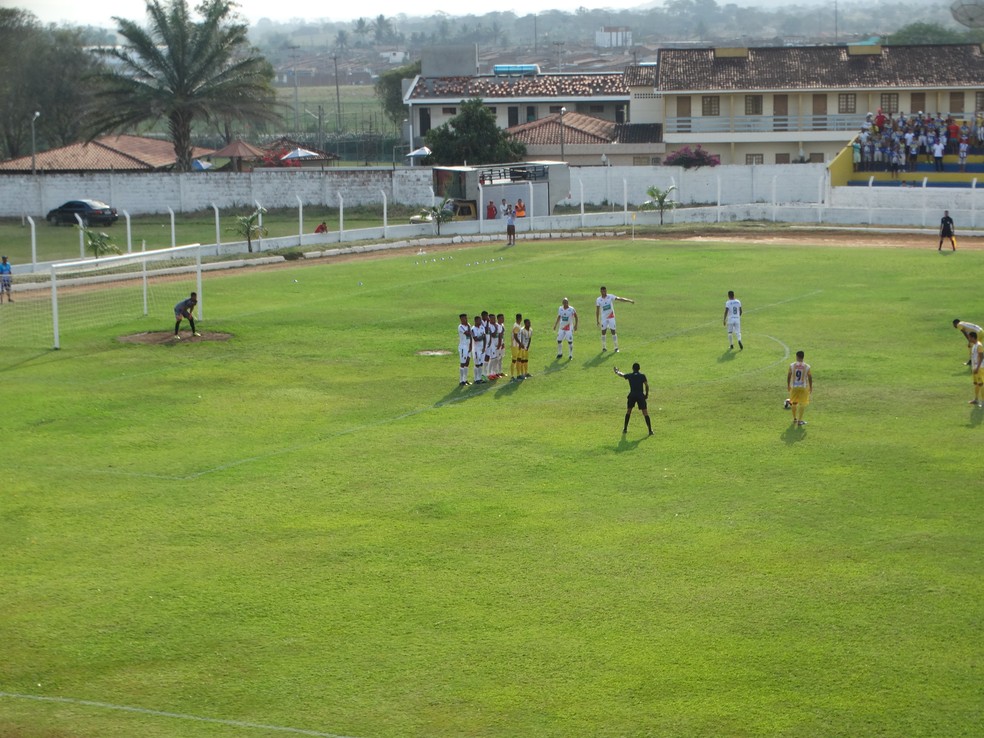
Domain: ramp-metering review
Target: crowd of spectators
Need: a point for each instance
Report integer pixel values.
(895, 143)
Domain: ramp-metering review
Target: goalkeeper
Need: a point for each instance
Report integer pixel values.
(183, 310)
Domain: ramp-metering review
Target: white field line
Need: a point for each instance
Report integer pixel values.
(172, 715)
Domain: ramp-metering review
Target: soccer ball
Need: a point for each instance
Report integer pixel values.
(786, 404)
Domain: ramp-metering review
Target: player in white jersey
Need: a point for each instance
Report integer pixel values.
(492, 352)
(478, 348)
(605, 316)
(464, 349)
(732, 319)
(565, 325)
(967, 328)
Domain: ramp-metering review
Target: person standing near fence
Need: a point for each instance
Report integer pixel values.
(6, 279)
(946, 231)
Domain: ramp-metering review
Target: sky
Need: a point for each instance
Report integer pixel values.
(100, 12)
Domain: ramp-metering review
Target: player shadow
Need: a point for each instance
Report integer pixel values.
(600, 358)
(976, 416)
(624, 444)
(50, 353)
(793, 434)
(727, 356)
(507, 388)
(459, 393)
(557, 365)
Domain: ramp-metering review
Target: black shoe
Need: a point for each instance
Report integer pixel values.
(624, 431)
(740, 347)
(650, 433)
(560, 356)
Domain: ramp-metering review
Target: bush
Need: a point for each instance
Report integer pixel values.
(692, 158)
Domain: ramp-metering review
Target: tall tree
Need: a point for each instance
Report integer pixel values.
(181, 70)
(361, 29)
(382, 29)
(472, 136)
(42, 69)
(389, 89)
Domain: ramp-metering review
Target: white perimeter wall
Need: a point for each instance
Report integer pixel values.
(725, 185)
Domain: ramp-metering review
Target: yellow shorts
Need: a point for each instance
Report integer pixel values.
(799, 396)
(978, 376)
(516, 351)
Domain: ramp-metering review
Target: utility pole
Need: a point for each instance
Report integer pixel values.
(338, 98)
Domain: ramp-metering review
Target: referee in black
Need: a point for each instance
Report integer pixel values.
(638, 394)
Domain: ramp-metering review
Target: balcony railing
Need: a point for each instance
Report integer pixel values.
(763, 123)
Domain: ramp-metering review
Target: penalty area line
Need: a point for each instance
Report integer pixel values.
(172, 715)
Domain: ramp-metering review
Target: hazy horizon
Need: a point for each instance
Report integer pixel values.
(101, 14)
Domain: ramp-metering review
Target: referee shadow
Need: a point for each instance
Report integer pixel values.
(793, 434)
(727, 356)
(624, 444)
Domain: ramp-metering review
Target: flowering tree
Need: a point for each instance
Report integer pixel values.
(692, 158)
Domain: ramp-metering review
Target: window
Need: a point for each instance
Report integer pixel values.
(956, 102)
(782, 158)
(555, 108)
(596, 108)
(918, 101)
(425, 120)
(710, 105)
(816, 158)
(449, 111)
(530, 113)
(490, 108)
(513, 113)
(889, 103)
(847, 102)
(753, 105)
(754, 158)
(978, 101)
(620, 113)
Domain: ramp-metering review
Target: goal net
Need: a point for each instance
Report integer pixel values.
(135, 291)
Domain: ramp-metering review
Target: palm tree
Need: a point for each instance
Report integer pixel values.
(658, 200)
(361, 29)
(181, 70)
(382, 29)
(249, 226)
(341, 40)
(100, 244)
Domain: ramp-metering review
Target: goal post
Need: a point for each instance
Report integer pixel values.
(113, 290)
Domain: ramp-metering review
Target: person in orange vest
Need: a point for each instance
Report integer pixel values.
(520, 208)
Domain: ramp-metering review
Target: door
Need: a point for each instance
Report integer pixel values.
(819, 113)
(780, 113)
(683, 115)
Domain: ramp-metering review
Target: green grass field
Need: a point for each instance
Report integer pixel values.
(62, 242)
(312, 528)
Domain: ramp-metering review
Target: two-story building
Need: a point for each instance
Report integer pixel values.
(777, 105)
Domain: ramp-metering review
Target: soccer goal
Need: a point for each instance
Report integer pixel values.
(114, 291)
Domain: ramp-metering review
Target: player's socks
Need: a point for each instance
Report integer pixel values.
(740, 346)
(625, 426)
(649, 424)
(615, 341)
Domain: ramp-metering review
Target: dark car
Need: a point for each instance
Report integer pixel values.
(92, 212)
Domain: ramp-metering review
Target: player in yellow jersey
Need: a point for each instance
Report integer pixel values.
(967, 328)
(799, 384)
(516, 346)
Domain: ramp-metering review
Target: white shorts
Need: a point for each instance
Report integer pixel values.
(464, 353)
(734, 326)
(479, 357)
(608, 324)
(565, 335)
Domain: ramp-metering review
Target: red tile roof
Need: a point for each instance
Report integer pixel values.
(822, 68)
(583, 129)
(109, 153)
(641, 75)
